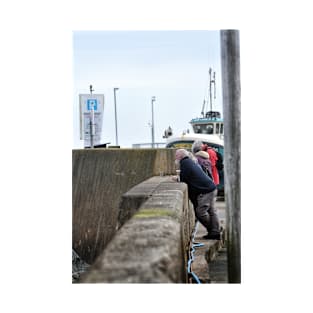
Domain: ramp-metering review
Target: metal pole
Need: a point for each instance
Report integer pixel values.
(92, 121)
(212, 81)
(116, 138)
(152, 126)
(92, 127)
(210, 89)
(230, 55)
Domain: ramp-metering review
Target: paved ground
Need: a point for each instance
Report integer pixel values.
(218, 268)
(213, 252)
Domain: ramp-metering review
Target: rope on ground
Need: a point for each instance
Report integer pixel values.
(191, 259)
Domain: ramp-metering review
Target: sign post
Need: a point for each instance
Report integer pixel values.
(91, 118)
(92, 103)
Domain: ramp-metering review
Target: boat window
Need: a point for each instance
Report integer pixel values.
(209, 129)
(197, 129)
(222, 128)
(217, 128)
(204, 128)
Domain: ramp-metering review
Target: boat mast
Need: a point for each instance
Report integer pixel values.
(203, 108)
(212, 81)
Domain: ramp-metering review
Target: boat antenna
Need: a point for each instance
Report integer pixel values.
(212, 81)
(202, 111)
(214, 85)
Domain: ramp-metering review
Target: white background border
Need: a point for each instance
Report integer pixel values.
(276, 80)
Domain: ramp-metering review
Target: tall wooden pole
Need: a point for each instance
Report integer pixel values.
(232, 140)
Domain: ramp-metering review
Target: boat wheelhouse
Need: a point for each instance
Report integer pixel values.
(211, 124)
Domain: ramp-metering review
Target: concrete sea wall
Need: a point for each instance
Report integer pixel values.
(100, 178)
(153, 243)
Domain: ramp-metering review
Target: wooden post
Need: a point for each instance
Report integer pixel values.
(232, 140)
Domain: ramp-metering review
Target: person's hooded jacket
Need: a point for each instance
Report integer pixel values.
(193, 175)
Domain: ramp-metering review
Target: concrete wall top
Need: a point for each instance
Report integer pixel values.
(152, 245)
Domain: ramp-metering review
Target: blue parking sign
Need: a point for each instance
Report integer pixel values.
(91, 103)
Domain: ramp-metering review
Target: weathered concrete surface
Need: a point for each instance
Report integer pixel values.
(218, 271)
(207, 254)
(100, 177)
(136, 196)
(152, 246)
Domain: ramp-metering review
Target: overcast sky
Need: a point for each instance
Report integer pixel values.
(170, 65)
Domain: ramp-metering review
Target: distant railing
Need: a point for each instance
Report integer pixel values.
(149, 145)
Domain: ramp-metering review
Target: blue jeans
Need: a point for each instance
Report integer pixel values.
(206, 212)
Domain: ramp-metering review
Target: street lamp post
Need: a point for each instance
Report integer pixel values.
(152, 123)
(116, 138)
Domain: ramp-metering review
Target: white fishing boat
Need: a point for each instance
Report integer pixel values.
(209, 128)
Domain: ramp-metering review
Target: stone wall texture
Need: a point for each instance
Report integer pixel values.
(99, 179)
(153, 242)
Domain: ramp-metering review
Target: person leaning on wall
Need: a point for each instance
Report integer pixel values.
(197, 148)
(201, 190)
(202, 157)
